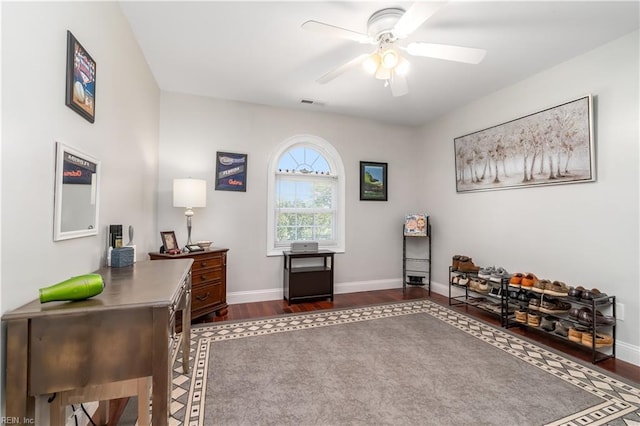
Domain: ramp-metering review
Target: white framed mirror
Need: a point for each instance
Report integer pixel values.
(76, 194)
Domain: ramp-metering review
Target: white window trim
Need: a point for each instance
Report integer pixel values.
(335, 162)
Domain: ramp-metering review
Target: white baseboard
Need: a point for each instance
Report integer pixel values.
(624, 351)
(342, 288)
(627, 352)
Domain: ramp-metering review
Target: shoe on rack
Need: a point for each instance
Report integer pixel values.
(516, 280)
(562, 328)
(528, 280)
(463, 280)
(521, 316)
(575, 292)
(602, 340)
(575, 333)
(483, 287)
(454, 262)
(548, 323)
(500, 274)
(495, 290)
(467, 266)
(534, 304)
(585, 316)
(540, 285)
(557, 288)
(533, 319)
(485, 273)
(554, 306)
(523, 296)
(594, 293)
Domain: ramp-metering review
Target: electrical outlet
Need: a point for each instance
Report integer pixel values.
(620, 311)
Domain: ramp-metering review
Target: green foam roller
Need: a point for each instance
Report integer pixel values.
(76, 288)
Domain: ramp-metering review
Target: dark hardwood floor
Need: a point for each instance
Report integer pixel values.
(243, 311)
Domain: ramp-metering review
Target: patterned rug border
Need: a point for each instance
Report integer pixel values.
(620, 399)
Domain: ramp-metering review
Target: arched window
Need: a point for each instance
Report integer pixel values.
(306, 195)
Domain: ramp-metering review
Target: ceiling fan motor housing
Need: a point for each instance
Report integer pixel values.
(380, 25)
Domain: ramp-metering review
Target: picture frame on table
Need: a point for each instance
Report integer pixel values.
(169, 242)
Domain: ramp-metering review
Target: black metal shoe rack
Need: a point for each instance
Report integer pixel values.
(416, 270)
(606, 303)
(497, 297)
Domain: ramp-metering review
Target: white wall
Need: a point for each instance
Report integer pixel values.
(34, 116)
(583, 234)
(194, 128)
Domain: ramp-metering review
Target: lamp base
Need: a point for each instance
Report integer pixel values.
(189, 230)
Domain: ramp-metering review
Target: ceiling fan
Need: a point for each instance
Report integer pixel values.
(385, 29)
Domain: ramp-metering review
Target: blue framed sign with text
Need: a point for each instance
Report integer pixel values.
(231, 172)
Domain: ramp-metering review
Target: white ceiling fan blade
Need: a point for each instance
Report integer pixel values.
(342, 69)
(469, 55)
(399, 86)
(332, 30)
(415, 16)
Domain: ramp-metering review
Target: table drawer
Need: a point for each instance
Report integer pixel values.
(207, 295)
(203, 276)
(206, 261)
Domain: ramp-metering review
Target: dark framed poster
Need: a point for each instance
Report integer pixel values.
(81, 80)
(231, 172)
(373, 181)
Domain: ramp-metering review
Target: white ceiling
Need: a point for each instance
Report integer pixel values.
(257, 52)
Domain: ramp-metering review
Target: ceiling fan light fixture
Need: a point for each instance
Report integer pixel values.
(371, 64)
(389, 58)
(403, 67)
(383, 73)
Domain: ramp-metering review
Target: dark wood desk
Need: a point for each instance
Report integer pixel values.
(121, 334)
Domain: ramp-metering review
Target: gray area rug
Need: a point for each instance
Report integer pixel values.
(409, 363)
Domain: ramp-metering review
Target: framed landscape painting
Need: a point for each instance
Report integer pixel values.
(553, 146)
(373, 181)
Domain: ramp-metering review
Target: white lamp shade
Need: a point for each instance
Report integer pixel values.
(189, 193)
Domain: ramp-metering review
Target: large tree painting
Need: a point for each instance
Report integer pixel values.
(549, 147)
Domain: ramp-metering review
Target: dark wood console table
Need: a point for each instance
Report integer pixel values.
(124, 333)
(303, 281)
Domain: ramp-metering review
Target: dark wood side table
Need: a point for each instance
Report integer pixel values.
(123, 333)
(303, 281)
(209, 280)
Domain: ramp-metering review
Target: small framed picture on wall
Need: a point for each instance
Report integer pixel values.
(81, 80)
(373, 181)
(231, 172)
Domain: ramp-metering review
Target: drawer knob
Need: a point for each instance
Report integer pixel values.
(204, 297)
(203, 277)
(203, 263)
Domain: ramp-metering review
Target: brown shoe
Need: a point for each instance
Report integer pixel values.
(521, 316)
(540, 286)
(528, 281)
(575, 335)
(533, 320)
(454, 262)
(556, 288)
(516, 280)
(467, 266)
(602, 340)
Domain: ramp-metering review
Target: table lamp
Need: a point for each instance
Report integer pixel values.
(189, 193)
